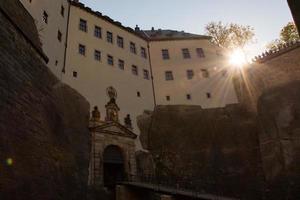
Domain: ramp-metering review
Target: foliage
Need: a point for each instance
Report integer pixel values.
(230, 35)
(288, 34)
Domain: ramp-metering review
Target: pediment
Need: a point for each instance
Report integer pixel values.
(114, 128)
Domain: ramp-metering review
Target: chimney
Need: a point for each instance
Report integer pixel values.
(137, 28)
(152, 29)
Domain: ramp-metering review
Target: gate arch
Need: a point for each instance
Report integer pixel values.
(113, 165)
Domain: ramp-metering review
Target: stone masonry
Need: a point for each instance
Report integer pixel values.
(44, 138)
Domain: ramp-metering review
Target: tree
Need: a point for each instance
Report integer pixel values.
(230, 36)
(288, 34)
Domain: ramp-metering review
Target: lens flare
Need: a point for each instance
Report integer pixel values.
(237, 58)
(9, 161)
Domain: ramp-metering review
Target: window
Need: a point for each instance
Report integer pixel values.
(74, 74)
(109, 37)
(188, 97)
(169, 75)
(219, 53)
(168, 98)
(62, 11)
(97, 55)
(186, 53)
(45, 17)
(98, 32)
(82, 49)
(200, 53)
(134, 70)
(83, 25)
(56, 62)
(165, 54)
(138, 94)
(146, 74)
(132, 48)
(59, 35)
(205, 73)
(190, 74)
(208, 95)
(120, 42)
(110, 60)
(121, 64)
(143, 52)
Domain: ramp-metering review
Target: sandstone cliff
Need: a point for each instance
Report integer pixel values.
(44, 140)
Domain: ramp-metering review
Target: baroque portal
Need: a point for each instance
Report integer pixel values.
(113, 145)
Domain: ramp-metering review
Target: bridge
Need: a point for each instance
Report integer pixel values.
(148, 188)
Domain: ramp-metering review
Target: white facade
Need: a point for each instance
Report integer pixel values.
(198, 79)
(51, 17)
(92, 77)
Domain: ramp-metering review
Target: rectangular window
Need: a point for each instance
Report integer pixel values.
(59, 35)
(45, 17)
(138, 94)
(74, 74)
(62, 11)
(188, 97)
(97, 55)
(143, 52)
(186, 53)
(218, 52)
(134, 70)
(200, 53)
(83, 25)
(132, 48)
(205, 73)
(208, 95)
(169, 76)
(121, 64)
(109, 37)
(98, 32)
(165, 54)
(190, 74)
(81, 49)
(110, 60)
(168, 98)
(146, 74)
(120, 42)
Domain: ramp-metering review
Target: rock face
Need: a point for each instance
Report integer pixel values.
(44, 139)
(295, 8)
(217, 146)
(279, 111)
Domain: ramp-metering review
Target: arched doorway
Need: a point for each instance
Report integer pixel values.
(113, 166)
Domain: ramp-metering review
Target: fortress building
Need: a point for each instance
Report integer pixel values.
(91, 52)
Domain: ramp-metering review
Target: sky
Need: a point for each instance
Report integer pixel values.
(267, 17)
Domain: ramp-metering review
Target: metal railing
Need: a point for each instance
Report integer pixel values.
(183, 185)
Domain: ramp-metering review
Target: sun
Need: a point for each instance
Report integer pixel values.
(237, 58)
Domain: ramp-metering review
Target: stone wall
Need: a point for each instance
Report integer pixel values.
(44, 140)
(272, 72)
